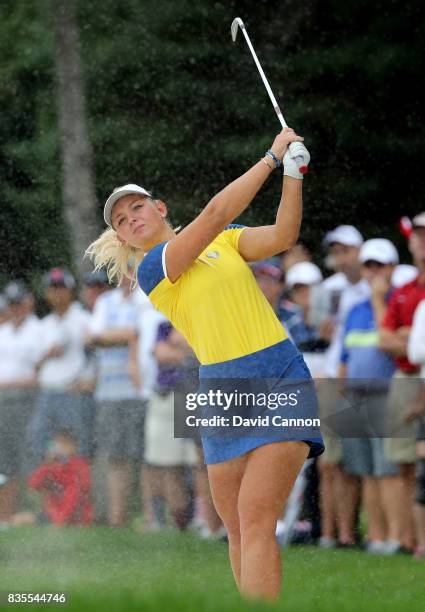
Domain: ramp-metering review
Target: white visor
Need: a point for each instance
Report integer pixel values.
(118, 193)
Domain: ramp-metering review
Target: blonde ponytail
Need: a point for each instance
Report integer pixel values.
(107, 251)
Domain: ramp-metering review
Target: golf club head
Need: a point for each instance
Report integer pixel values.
(237, 22)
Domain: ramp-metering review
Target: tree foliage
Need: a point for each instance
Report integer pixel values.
(174, 105)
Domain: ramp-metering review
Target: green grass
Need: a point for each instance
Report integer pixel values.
(121, 570)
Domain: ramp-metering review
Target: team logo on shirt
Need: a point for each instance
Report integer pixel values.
(213, 254)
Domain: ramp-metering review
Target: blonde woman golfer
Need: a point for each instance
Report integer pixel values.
(200, 280)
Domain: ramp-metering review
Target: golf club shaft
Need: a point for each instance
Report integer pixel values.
(265, 81)
(299, 160)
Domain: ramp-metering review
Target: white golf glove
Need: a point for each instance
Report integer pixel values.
(290, 167)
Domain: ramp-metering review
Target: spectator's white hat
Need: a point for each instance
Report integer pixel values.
(419, 220)
(403, 274)
(303, 273)
(118, 193)
(16, 292)
(344, 234)
(380, 250)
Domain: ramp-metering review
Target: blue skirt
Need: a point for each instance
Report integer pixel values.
(279, 368)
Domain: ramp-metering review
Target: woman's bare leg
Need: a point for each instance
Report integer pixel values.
(268, 478)
(225, 481)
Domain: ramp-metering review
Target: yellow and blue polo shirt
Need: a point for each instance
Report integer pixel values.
(216, 303)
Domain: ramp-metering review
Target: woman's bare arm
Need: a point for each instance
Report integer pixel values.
(261, 242)
(224, 207)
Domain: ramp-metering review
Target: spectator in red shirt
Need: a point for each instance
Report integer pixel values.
(394, 335)
(64, 482)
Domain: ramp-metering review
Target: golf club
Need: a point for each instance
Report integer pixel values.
(238, 23)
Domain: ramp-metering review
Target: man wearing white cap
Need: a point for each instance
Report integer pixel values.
(121, 405)
(303, 273)
(346, 289)
(394, 336)
(344, 244)
(368, 372)
(63, 371)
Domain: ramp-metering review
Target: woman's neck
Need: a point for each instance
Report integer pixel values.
(167, 234)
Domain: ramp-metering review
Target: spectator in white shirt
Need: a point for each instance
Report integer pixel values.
(19, 352)
(120, 403)
(94, 285)
(63, 373)
(339, 492)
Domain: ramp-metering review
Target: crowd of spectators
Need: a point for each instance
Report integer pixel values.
(87, 410)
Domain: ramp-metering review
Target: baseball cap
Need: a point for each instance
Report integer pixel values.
(380, 250)
(118, 193)
(96, 278)
(403, 274)
(303, 273)
(16, 291)
(58, 277)
(344, 234)
(268, 267)
(419, 220)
